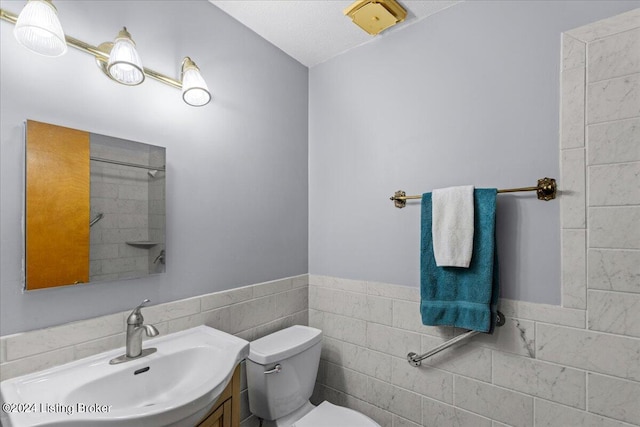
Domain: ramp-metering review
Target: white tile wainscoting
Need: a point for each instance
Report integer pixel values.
(249, 312)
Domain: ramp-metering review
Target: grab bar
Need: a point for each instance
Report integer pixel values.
(416, 360)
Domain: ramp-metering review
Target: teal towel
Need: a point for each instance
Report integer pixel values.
(462, 297)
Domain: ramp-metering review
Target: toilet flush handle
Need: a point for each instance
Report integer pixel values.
(276, 369)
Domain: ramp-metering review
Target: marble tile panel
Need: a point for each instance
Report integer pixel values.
(614, 227)
(272, 287)
(39, 362)
(338, 283)
(573, 52)
(613, 99)
(395, 342)
(300, 281)
(379, 310)
(408, 293)
(183, 323)
(217, 319)
(573, 190)
(43, 340)
(382, 417)
(607, 27)
(403, 422)
(350, 304)
(316, 319)
(614, 270)
(549, 414)
(516, 336)
(548, 381)
(438, 414)
(467, 359)
(615, 312)
(172, 310)
(592, 351)
(345, 328)
(366, 361)
(572, 108)
(542, 313)
(614, 185)
(614, 142)
(406, 315)
(494, 402)
(614, 398)
(347, 381)
(424, 380)
(252, 313)
(333, 351)
(101, 345)
(614, 56)
(292, 301)
(220, 299)
(394, 399)
(574, 268)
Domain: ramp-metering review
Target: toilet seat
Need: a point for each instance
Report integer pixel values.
(329, 415)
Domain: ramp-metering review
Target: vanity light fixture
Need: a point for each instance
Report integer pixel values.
(124, 64)
(194, 89)
(118, 60)
(38, 29)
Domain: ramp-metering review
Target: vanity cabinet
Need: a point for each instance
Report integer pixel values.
(226, 411)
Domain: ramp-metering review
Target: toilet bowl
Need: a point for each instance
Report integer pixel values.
(281, 373)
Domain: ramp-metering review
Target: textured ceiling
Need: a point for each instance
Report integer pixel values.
(312, 31)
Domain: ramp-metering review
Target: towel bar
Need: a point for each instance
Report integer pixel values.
(546, 190)
(416, 360)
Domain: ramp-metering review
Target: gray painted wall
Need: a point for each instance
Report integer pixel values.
(251, 141)
(467, 96)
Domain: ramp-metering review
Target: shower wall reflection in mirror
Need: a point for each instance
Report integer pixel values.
(94, 207)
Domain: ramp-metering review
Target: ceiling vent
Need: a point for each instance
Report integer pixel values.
(375, 16)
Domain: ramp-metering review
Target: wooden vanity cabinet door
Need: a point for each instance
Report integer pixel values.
(226, 411)
(57, 206)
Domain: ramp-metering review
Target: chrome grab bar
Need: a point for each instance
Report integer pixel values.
(416, 360)
(276, 370)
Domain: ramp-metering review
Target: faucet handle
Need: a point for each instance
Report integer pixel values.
(135, 318)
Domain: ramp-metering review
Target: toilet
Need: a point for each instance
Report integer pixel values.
(281, 374)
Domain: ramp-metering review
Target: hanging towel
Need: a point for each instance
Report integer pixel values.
(452, 226)
(462, 297)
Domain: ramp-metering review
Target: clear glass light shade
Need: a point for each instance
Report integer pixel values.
(124, 63)
(39, 30)
(194, 89)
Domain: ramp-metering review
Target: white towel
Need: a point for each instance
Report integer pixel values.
(452, 226)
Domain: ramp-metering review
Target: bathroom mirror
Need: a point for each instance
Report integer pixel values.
(94, 207)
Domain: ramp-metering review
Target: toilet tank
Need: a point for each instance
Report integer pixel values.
(297, 350)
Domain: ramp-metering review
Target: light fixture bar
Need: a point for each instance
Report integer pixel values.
(97, 53)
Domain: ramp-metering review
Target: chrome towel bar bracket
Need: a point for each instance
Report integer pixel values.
(416, 359)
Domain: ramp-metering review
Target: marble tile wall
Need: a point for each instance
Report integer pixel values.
(577, 364)
(249, 312)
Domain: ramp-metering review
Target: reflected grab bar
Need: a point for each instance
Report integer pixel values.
(416, 360)
(96, 219)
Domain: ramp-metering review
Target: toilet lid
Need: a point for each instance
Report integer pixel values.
(329, 415)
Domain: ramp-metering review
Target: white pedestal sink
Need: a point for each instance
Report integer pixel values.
(174, 386)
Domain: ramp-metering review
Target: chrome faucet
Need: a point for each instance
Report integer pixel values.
(135, 328)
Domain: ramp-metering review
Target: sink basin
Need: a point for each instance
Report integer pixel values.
(174, 386)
